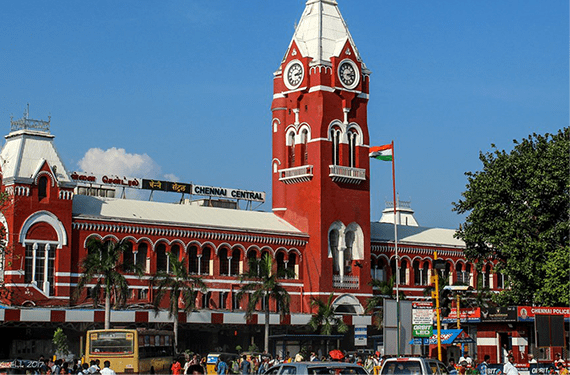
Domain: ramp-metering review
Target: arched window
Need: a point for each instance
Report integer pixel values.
(486, 276)
(251, 256)
(234, 266)
(161, 258)
(193, 259)
(42, 187)
(280, 260)
(335, 136)
(224, 262)
(205, 261)
(293, 264)
(141, 256)
(425, 273)
(291, 149)
(304, 153)
(333, 243)
(417, 273)
(128, 256)
(379, 270)
(403, 273)
(349, 241)
(459, 274)
(500, 280)
(175, 252)
(352, 149)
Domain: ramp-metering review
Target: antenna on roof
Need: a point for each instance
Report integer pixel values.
(27, 111)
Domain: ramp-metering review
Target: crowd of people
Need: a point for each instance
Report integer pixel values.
(60, 367)
(258, 364)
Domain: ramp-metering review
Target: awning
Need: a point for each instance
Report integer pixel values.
(448, 337)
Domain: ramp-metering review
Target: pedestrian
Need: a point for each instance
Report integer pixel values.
(509, 367)
(195, 369)
(483, 366)
(107, 369)
(558, 358)
(562, 370)
(244, 366)
(221, 367)
(176, 367)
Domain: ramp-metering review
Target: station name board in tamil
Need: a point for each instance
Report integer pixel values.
(107, 179)
(84, 178)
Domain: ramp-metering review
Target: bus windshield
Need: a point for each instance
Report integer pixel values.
(111, 342)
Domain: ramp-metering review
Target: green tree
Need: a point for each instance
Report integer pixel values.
(517, 215)
(261, 284)
(324, 319)
(180, 286)
(60, 342)
(103, 263)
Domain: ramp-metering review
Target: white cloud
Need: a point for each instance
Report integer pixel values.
(118, 161)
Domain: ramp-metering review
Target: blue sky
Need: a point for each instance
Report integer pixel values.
(182, 89)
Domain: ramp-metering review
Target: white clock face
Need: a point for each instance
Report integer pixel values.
(348, 74)
(294, 74)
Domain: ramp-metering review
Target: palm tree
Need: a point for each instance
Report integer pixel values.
(386, 291)
(261, 284)
(324, 319)
(179, 284)
(103, 262)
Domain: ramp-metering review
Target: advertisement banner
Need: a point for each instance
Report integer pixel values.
(499, 314)
(467, 315)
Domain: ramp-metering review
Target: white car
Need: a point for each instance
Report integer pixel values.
(413, 366)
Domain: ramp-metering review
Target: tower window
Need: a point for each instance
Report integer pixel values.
(42, 187)
(335, 136)
(352, 149)
(304, 153)
(291, 149)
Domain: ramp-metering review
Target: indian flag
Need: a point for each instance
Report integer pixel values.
(381, 152)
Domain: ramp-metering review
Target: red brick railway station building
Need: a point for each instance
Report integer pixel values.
(319, 225)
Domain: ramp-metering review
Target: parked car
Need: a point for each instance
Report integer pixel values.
(316, 368)
(413, 366)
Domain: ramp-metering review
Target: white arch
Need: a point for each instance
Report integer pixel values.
(305, 126)
(358, 131)
(45, 217)
(349, 300)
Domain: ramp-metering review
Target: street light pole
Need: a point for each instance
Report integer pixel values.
(437, 310)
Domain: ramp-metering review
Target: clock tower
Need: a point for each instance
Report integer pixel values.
(320, 166)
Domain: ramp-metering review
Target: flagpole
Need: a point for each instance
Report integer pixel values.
(396, 248)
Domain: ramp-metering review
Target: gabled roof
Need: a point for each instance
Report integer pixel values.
(148, 212)
(25, 152)
(322, 32)
(384, 232)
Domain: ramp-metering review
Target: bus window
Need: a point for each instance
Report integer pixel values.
(111, 342)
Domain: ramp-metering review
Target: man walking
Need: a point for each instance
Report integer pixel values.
(106, 370)
(509, 368)
(244, 366)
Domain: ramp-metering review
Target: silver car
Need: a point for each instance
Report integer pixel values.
(413, 366)
(316, 368)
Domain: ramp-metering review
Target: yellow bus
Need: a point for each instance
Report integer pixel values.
(131, 351)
